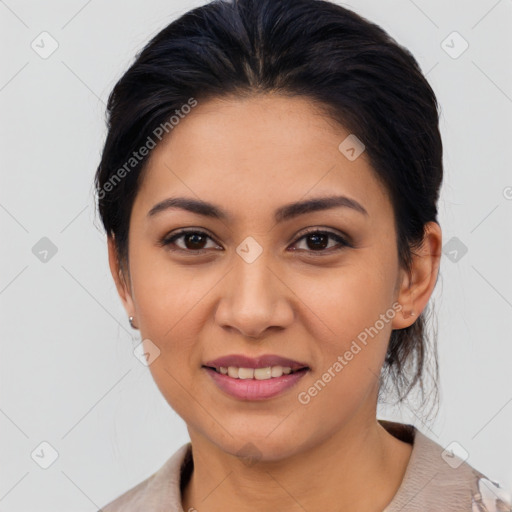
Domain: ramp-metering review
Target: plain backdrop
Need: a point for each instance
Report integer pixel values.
(68, 376)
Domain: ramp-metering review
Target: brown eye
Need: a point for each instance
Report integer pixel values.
(196, 242)
(318, 241)
(192, 241)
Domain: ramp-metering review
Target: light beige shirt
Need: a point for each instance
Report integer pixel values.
(435, 480)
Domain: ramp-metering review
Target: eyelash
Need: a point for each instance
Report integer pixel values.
(169, 240)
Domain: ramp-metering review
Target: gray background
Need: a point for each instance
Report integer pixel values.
(68, 375)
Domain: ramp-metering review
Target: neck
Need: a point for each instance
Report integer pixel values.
(358, 468)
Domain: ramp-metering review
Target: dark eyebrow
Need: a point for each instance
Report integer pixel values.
(282, 214)
(292, 210)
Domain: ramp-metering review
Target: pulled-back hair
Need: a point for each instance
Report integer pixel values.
(352, 71)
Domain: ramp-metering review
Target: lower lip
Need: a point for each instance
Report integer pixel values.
(253, 389)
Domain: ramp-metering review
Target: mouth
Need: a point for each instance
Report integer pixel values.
(264, 373)
(260, 378)
(263, 367)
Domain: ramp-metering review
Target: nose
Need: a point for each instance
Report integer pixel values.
(254, 299)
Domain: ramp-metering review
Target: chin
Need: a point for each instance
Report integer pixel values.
(253, 447)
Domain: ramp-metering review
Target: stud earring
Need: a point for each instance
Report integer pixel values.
(131, 323)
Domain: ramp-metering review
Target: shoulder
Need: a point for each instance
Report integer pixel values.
(437, 479)
(161, 489)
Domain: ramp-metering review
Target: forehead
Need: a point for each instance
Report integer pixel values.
(248, 154)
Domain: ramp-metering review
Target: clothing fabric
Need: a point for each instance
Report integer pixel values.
(435, 480)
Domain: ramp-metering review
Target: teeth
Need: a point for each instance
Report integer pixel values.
(233, 372)
(254, 373)
(263, 373)
(243, 373)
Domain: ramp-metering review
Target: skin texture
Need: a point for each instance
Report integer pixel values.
(249, 157)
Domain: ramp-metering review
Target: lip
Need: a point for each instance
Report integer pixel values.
(253, 389)
(242, 361)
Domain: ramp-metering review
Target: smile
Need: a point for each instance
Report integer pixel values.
(268, 372)
(255, 383)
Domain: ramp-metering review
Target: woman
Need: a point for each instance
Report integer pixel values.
(269, 188)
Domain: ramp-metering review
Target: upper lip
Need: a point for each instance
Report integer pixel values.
(263, 361)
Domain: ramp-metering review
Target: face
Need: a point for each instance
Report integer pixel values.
(251, 282)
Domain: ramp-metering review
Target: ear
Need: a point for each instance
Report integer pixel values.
(415, 289)
(121, 281)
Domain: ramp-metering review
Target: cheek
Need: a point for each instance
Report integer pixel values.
(170, 300)
(168, 296)
(350, 315)
(348, 299)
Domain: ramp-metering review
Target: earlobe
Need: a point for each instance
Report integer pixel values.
(417, 287)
